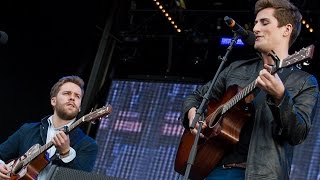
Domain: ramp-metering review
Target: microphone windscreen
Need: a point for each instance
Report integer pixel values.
(249, 39)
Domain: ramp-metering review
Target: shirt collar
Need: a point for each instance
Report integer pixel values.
(58, 128)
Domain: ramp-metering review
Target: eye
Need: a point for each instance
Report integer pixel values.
(78, 96)
(265, 22)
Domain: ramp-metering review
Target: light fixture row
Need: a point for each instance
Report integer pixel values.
(167, 15)
(307, 25)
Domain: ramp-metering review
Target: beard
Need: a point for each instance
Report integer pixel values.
(64, 114)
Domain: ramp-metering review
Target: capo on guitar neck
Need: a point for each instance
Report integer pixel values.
(276, 60)
(66, 129)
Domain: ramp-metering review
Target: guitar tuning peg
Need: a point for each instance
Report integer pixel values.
(306, 63)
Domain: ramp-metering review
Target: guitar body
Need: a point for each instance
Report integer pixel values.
(211, 149)
(36, 166)
(31, 170)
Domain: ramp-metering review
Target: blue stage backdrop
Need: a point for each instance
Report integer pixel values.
(140, 138)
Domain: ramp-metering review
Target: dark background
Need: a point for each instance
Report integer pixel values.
(46, 40)
(102, 40)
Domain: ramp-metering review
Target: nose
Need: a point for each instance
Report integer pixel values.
(72, 97)
(256, 29)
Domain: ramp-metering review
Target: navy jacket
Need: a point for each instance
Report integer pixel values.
(36, 133)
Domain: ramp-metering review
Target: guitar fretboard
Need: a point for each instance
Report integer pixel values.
(243, 93)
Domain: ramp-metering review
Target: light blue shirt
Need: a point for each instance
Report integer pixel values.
(51, 151)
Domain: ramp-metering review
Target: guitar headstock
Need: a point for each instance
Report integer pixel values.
(303, 55)
(98, 113)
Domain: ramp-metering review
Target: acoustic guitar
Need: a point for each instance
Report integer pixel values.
(228, 115)
(29, 165)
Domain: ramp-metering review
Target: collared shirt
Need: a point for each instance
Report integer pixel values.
(51, 151)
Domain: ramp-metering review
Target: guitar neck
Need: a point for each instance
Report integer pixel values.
(235, 99)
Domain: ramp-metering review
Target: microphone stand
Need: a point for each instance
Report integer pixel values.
(199, 117)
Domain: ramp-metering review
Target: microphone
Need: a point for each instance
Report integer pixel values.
(3, 37)
(247, 36)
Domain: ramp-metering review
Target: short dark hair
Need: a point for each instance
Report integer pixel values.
(285, 12)
(74, 79)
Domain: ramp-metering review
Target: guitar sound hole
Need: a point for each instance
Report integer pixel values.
(215, 117)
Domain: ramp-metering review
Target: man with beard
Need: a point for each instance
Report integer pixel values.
(73, 150)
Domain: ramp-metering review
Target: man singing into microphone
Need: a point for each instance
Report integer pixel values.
(283, 104)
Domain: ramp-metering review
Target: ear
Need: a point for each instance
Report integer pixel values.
(287, 30)
(53, 101)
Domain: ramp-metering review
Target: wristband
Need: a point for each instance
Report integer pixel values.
(63, 155)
